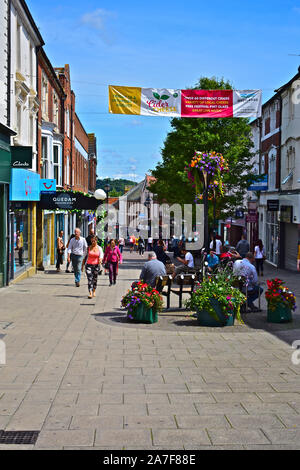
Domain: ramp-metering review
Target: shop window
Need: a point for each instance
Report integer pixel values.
(57, 164)
(272, 171)
(45, 170)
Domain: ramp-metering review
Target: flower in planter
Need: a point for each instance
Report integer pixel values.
(278, 294)
(142, 293)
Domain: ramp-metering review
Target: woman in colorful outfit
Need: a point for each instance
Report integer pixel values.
(112, 257)
(93, 264)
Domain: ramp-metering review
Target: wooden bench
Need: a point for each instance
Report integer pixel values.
(185, 283)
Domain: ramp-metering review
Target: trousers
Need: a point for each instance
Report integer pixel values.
(92, 271)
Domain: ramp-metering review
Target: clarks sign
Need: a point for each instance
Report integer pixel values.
(21, 157)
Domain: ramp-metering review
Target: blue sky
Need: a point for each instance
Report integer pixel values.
(158, 44)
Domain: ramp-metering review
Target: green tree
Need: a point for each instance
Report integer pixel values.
(229, 136)
(117, 186)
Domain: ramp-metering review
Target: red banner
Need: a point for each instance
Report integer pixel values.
(207, 103)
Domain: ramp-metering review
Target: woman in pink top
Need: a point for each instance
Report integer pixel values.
(112, 257)
(93, 262)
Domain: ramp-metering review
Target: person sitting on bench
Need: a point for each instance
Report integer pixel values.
(187, 262)
(246, 268)
(152, 269)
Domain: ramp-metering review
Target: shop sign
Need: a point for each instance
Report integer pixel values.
(251, 218)
(261, 185)
(67, 200)
(25, 185)
(273, 205)
(47, 185)
(239, 214)
(21, 157)
(286, 214)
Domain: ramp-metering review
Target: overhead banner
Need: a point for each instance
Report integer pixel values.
(185, 103)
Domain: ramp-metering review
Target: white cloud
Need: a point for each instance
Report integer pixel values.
(96, 20)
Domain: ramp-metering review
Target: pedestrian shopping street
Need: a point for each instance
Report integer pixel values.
(81, 375)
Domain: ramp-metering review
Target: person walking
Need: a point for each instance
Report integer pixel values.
(76, 252)
(93, 265)
(121, 244)
(68, 262)
(60, 248)
(112, 257)
(131, 243)
(243, 246)
(141, 245)
(20, 247)
(150, 244)
(259, 255)
(90, 236)
(215, 244)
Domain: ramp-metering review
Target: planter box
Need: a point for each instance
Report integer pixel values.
(281, 314)
(145, 315)
(206, 319)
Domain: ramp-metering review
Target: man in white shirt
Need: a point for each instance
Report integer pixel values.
(187, 262)
(76, 252)
(246, 269)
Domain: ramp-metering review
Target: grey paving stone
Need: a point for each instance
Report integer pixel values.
(283, 436)
(280, 397)
(255, 421)
(164, 409)
(220, 409)
(123, 437)
(179, 437)
(56, 439)
(240, 436)
(269, 408)
(202, 422)
(236, 397)
(132, 398)
(123, 410)
(96, 422)
(290, 421)
(182, 398)
(28, 417)
(147, 422)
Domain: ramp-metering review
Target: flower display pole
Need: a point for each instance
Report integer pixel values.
(205, 203)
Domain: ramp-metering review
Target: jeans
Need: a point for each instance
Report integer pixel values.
(59, 260)
(77, 263)
(121, 248)
(253, 294)
(113, 265)
(259, 265)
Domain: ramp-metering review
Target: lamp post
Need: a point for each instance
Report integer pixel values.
(147, 203)
(205, 202)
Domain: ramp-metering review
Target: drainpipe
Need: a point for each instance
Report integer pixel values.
(8, 62)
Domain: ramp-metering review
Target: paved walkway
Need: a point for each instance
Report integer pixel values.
(85, 380)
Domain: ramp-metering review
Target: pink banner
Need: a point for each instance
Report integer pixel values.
(207, 103)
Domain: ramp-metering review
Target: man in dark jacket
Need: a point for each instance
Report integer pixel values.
(243, 246)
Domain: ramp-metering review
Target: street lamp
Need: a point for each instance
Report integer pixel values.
(205, 203)
(100, 195)
(147, 203)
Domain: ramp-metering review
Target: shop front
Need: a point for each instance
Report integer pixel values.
(24, 192)
(5, 176)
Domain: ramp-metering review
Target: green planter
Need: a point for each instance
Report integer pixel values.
(145, 315)
(206, 319)
(281, 314)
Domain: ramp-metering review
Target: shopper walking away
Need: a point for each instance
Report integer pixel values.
(259, 255)
(243, 246)
(93, 265)
(76, 252)
(215, 244)
(150, 244)
(121, 244)
(141, 245)
(60, 248)
(112, 257)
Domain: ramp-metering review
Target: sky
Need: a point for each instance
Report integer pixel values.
(168, 44)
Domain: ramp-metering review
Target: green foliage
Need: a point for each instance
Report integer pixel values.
(220, 288)
(229, 136)
(117, 185)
